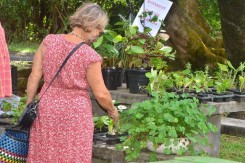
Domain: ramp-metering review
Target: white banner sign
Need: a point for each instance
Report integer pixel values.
(160, 8)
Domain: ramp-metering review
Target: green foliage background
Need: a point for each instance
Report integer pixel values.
(31, 20)
(210, 11)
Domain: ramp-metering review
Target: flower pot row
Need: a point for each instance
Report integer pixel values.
(113, 77)
(135, 79)
(215, 97)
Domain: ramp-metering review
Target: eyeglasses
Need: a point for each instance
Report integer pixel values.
(101, 33)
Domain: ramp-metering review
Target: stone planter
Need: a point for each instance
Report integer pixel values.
(182, 143)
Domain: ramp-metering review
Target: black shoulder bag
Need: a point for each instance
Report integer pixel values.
(30, 113)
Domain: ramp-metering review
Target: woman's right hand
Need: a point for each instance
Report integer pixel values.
(114, 115)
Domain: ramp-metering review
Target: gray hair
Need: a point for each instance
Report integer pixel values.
(89, 16)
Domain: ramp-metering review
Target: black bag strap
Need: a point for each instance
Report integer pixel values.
(63, 64)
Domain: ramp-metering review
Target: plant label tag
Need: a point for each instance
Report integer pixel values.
(160, 9)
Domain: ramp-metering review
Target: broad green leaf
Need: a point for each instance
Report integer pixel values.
(166, 49)
(98, 42)
(133, 30)
(230, 65)
(155, 18)
(135, 50)
(159, 45)
(223, 67)
(109, 37)
(142, 41)
(117, 39)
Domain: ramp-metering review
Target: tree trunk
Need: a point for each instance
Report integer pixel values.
(189, 36)
(233, 29)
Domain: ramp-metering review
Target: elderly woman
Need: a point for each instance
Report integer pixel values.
(63, 130)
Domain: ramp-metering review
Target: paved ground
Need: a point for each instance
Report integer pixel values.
(19, 56)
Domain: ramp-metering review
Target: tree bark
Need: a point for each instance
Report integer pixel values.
(233, 29)
(189, 36)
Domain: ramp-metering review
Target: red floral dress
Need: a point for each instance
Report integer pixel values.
(63, 130)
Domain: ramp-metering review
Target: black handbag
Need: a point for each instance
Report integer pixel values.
(30, 112)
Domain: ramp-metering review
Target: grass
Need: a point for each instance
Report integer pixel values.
(232, 148)
(25, 47)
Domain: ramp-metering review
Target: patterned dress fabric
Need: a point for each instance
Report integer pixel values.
(5, 69)
(63, 130)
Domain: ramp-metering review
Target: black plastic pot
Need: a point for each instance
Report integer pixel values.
(228, 96)
(110, 76)
(121, 73)
(223, 97)
(204, 97)
(237, 91)
(102, 130)
(137, 80)
(106, 138)
(239, 96)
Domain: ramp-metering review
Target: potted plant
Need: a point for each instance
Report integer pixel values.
(105, 130)
(164, 120)
(224, 80)
(100, 124)
(106, 46)
(241, 84)
(141, 51)
(159, 81)
(240, 95)
(183, 80)
(202, 85)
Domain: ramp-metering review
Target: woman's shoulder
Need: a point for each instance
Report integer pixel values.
(52, 37)
(90, 50)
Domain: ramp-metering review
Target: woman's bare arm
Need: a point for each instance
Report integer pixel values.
(36, 74)
(96, 82)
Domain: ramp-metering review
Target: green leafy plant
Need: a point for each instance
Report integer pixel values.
(241, 83)
(111, 129)
(202, 81)
(141, 50)
(107, 47)
(15, 112)
(6, 106)
(104, 121)
(226, 77)
(100, 122)
(180, 81)
(184, 79)
(159, 81)
(164, 117)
